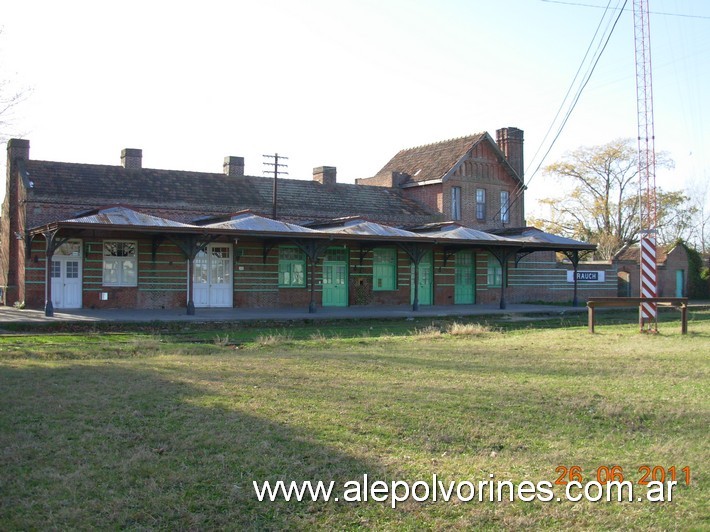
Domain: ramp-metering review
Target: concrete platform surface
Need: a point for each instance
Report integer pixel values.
(13, 315)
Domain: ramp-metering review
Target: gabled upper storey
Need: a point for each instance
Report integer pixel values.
(435, 163)
(472, 179)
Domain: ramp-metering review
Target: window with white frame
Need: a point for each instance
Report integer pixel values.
(480, 204)
(120, 263)
(455, 203)
(504, 206)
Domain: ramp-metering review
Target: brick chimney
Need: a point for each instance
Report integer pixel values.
(510, 142)
(14, 256)
(233, 166)
(18, 149)
(325, 175)
(132, 159)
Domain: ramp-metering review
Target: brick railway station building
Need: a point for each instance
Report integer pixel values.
(440, 224)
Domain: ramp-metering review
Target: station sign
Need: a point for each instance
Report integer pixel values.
(586, 277)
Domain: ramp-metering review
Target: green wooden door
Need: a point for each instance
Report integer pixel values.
(426, 281)
(335, 278)
(679, 282)
(465, 278)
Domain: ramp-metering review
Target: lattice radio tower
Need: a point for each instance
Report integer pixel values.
(647, 167)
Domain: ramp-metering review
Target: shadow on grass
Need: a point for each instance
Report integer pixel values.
(108, 447)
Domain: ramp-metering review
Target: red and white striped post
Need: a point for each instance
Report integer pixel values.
(647, 166)
(648, 311)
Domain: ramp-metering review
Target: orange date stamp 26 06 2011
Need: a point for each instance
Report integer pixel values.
(615, 473)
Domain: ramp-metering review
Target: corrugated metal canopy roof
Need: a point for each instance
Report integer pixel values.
(537, 236)
(124, 216)
(359, 226)
(248, 221)
(456, 231)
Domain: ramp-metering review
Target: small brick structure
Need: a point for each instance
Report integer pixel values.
(671, 272)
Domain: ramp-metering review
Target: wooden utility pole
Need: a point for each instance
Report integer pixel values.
(275, 171)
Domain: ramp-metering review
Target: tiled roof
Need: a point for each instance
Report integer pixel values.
(432, 161)
(74, 186)
(631, 254)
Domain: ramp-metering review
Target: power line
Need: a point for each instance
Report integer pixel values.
(573, 105)
(569, 90)
(578, 95)
(579, 4)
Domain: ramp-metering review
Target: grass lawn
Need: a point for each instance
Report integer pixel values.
(167, 426)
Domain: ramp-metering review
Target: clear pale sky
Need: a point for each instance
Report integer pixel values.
(344, 83)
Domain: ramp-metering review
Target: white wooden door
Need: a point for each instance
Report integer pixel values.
(200, 280)
(212, 276)
(220, 275)
(66, 276)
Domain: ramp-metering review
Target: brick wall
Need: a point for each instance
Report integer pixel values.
(162, 278)
(481, 170)
(677, 259)
(539, 277)
(431, 196)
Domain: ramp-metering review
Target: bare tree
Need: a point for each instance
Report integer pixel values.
(9, 99)
(676, 218)
(699, 194)
(603, 205)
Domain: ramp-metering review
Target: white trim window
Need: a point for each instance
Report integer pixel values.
(455, 203)
(504, 206)
(120, 263)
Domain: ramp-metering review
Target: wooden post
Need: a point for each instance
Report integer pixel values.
(502, 255)
(48, 305)
(312, 302)
(191, 245)
(503, 282)
(575, 268)
(52, 243)
(684, 319)
(590, 317)
(190, 285)
(314, 250)
(416, 253)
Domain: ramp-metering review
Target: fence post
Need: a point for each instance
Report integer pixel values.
(590, 317)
